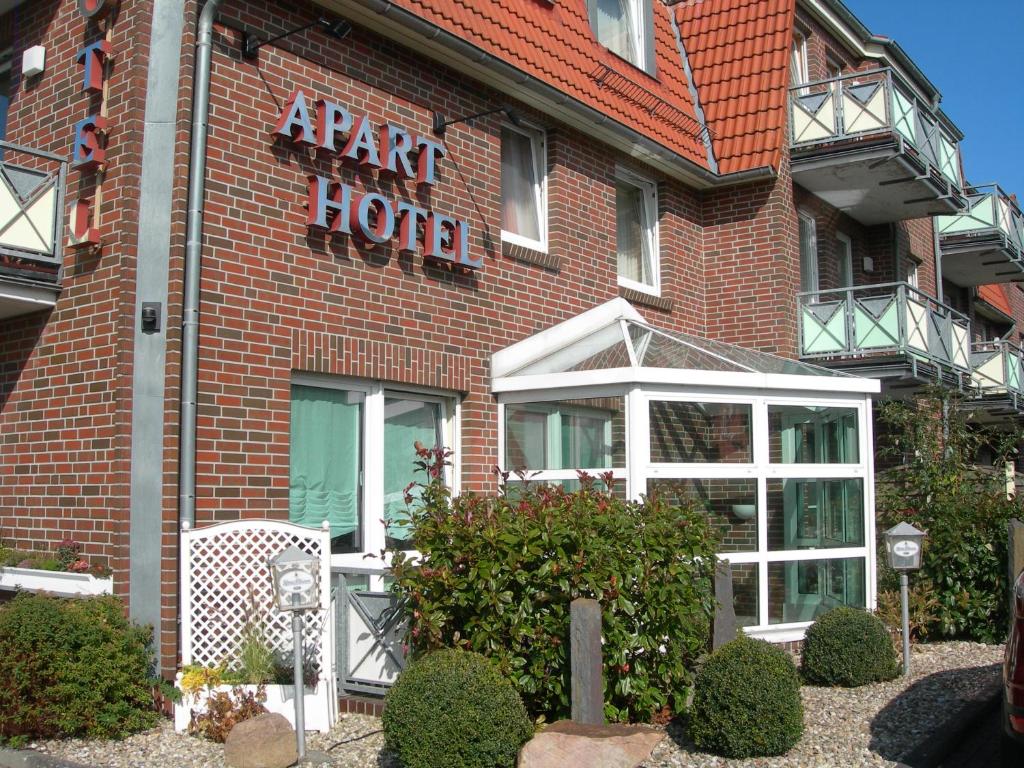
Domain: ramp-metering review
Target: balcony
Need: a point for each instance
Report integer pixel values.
(890, 331)
(985, 243)
(31, 226)
(998, 376)
(866, 145)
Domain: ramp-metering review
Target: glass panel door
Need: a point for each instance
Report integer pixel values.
(408, 423)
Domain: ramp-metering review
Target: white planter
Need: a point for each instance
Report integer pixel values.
(280, 699)
(58, 583)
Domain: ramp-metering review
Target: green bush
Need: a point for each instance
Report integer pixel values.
(73, 668)
(848, 647)
(498, 575)
(453, 709)
(746, 701)
(937, 486)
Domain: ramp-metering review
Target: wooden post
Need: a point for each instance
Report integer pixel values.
(1015, 556)
(723, 627)
(585, 658)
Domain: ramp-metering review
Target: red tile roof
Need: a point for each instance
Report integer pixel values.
(554, 43)
(995, 296)
(739, 55)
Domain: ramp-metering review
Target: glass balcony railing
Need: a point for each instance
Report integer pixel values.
(31, 206)
(997, 368)
(858, 105)
(989, 211)
(890, 319)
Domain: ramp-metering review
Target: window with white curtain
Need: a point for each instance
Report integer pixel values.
(523, 187)
(353, 454)
(636, 232)
(626, 28)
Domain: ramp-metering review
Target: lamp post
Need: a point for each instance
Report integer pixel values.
(903, 543)
(296, 576)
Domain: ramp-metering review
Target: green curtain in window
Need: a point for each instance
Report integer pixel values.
(405, 423)
(325, 458)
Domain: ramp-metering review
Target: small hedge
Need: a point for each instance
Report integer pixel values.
(73, 668)
(452, 709)
(746, 701)
(848, 647)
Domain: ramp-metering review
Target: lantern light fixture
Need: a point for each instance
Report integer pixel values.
(903, 544)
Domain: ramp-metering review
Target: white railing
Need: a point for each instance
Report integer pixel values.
(31, 204)
(989, 211)
(997, 368)
(889, 318)
(875, 102)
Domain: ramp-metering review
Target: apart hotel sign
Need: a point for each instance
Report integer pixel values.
(388, 149)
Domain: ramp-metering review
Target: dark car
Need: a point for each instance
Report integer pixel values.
(1013, 682)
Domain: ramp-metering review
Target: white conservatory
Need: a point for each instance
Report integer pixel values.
(777, 451)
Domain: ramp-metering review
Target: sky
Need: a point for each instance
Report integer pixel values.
(971, 51)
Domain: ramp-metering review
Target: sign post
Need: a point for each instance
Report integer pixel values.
(296, 576)
(903, 543)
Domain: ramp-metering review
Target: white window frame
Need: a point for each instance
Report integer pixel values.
(641, 30)
(910, 272)
(372, 430)
(553, 432)
(762, 470)
(845, 258)
(649, 188)
(538, 150)
(812, 260)
(798, 59)
(639, 469)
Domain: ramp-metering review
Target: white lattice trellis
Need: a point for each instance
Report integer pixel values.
(225, 584)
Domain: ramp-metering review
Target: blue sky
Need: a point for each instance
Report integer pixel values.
(971, 51)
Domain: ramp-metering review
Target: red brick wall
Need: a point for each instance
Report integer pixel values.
(65, 385)
(278, 298)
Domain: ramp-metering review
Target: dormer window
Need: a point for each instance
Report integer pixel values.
(626, 28)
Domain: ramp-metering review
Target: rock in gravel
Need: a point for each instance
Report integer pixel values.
(567, 743)
(264, 741)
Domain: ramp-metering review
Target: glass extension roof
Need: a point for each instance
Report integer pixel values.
(629, 343)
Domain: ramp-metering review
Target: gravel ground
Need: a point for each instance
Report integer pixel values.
(875, 725)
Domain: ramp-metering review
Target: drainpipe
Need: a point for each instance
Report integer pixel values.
(938, 259)
(193, 259)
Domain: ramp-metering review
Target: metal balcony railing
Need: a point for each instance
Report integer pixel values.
(884, 319)
(860, 104)
(370, 630)
(997, 368)
(989, 211)
(31, 204)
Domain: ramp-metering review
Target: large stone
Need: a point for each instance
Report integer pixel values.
(566, 743)
(264, 741)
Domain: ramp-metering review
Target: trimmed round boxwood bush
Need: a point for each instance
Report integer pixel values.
(746, 701)
(453, 709)
(848, 647)
(73, 667)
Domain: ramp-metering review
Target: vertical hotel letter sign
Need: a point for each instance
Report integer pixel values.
(370, 217)
(88, 150)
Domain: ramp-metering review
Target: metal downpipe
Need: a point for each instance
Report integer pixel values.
(193, 261)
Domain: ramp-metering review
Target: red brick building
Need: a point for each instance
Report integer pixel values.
(287, 239)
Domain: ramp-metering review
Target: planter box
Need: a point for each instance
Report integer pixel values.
(280, 699)
(58, 583)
